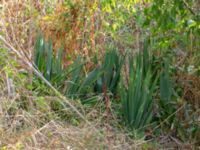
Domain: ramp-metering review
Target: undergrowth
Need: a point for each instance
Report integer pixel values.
(99, 74)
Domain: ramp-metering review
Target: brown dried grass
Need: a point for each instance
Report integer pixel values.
(36, 128)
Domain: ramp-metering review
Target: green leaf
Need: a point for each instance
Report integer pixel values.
(48, 48)
(165, 83)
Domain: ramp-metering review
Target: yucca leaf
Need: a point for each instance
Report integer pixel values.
(165, 83)
(58, 60)
(146, 57)
(117, 73)
(108, 67)
(48, 48)
(99, 85)
(90, 79)
(74, 85)
(39, 52)
(91, 100)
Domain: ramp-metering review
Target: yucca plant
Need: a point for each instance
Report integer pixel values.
(103, 79)
(106, 74)
(111, 71)
(137, 97)
(48, 63)
(75, 78)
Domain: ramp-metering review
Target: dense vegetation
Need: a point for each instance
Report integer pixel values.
(100, 74)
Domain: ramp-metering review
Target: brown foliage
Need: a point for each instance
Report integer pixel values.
(72, 27)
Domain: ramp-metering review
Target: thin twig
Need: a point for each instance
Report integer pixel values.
(190, 9)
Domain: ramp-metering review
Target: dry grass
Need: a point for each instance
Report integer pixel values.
(41, 128)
